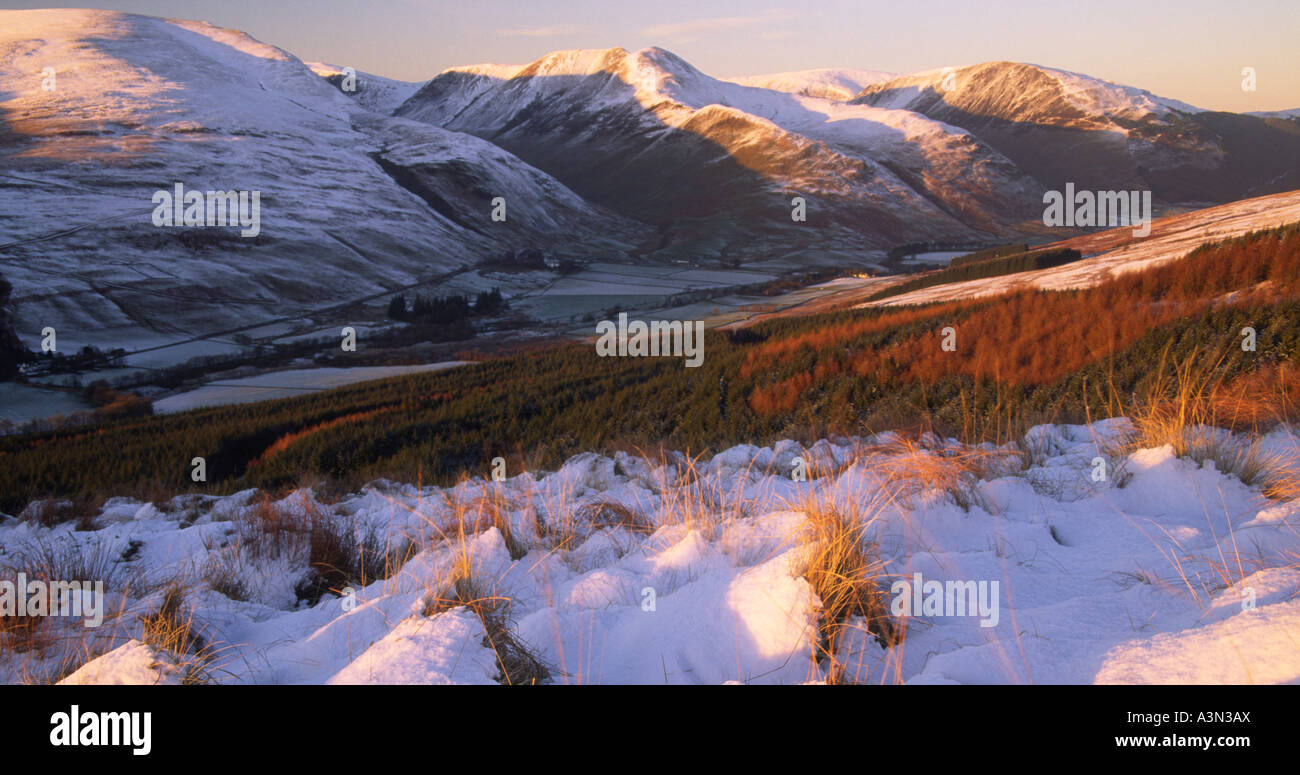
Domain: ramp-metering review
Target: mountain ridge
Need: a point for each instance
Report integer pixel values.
(142, 103)
(1064, 127)
(637, 154)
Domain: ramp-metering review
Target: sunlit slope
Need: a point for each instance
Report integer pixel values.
(654, 138)
(352, 203)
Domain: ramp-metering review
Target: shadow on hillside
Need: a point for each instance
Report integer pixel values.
(721, 171)
(1260, 156)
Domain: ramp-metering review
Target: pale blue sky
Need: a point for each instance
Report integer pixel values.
(1193, 50)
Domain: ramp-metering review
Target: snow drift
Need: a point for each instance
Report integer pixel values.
(629, 570)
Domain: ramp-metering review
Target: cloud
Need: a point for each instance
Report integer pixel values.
(716, 24)
(548, 31)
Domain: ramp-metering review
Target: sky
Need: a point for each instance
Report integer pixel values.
(1191, 50)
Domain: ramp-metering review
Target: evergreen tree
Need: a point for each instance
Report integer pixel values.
(12, 351)
(397, 307)
(488, 302)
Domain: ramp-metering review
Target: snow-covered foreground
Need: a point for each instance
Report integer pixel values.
(633, 570)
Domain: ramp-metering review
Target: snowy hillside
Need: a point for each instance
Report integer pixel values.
(832, 83)
(1292, 114)
(1060, 126)
(373, 92)
(1114, 252)
(651, 136)
(631, 570)
(637, 156)
(352, 203)
(1024, 93)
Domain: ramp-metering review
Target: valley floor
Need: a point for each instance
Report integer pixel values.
(636, 570)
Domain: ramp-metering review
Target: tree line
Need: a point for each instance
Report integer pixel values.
(1051, 355)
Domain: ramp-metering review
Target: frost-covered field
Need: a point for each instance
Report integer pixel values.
(20, 403)
(1112, 253)
(938, 257)
(626, 569)
(284, 384)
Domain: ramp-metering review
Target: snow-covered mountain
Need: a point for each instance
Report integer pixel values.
(595, 151)
(373, 92)
(1066, 127)
(1024, 93)
(1293, 114)
(652, 137)
(352, 203)
(832, 83)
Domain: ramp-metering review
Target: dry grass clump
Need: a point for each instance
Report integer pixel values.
(21, 634)
(1177, 410)
(1031, 452)
(50, 512)
(49, 562)
(487, 511)
(562, 525)
(171, 629)
(612, 514)
(224, 572)
(338, 553)
(54, 646)
(1189, 408)
(324, 488)
(66, 560)
(706, 502)
(1268, 395)
(843, 567)
(266, 530)
(515, 659)
(910, 466)
(1280, 480)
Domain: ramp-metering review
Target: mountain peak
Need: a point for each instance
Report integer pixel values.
(666, 60)
(1022, 92)
(833, 83)
(487, 70)
(578, 61)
